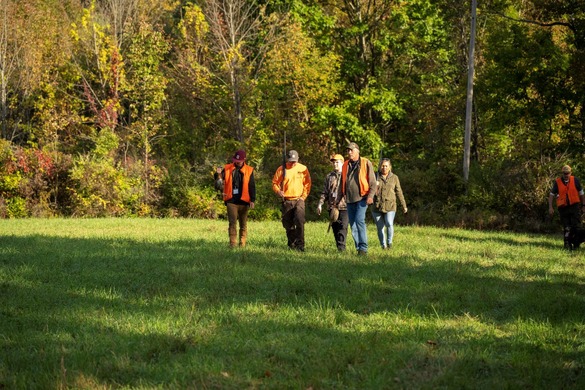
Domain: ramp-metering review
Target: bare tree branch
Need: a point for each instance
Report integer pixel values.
(536, 22)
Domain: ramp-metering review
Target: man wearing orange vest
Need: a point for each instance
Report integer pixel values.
(570, 198)
(293, 186)
(358, 185)
(239, 195)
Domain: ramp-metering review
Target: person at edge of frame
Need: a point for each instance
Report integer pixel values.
(332, 196)
(293, 186)
(239, 195)
(358, 183)
(570, 198)
(385, 203)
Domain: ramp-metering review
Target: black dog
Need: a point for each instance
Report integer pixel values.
(575, 238)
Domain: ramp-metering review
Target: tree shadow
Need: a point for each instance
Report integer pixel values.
(89, 313)
(535, 240)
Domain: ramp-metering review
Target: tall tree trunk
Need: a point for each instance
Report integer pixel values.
(3, 108)
(237, 102)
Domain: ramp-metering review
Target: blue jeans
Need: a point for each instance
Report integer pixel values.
(385, 226)
(356, 213)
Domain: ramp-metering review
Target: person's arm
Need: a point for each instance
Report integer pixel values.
(553, 194)
(306, 184)
(371, 182)
(323, 196)
(400, 195)
(252, 190)
(581, 192)
(276, 180)
(551, 210)
(219, 178)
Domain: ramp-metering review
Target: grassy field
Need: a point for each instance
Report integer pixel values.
(165, 304)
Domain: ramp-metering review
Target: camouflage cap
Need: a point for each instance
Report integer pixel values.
(353, 145)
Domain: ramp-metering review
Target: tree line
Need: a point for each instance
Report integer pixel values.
(125, 107)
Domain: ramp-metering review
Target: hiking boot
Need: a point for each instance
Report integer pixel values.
(243, 235)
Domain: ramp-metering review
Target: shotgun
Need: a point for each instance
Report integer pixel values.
(283, 166)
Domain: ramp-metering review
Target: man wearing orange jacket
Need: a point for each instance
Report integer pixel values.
(293, 186)
(570, 198)
(239, 195)
(358, 184)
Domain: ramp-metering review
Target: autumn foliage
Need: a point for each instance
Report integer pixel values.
(125, 108)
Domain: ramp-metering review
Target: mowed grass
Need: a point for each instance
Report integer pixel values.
(145, 304)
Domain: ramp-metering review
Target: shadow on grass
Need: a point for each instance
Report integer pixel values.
(534, 241)
(95, 313)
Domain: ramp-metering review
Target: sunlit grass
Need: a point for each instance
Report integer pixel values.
(146, 303)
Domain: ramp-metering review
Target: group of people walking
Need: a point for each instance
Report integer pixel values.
(349, 189)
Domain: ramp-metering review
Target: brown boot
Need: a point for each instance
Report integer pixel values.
(243, 234)
(233, 238)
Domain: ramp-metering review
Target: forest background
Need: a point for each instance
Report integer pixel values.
(126, 107)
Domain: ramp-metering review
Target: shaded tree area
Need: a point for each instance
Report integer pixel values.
(125, 107)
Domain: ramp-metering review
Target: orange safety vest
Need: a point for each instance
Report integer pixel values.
(363, 177)
(228, 185)
(567, 192)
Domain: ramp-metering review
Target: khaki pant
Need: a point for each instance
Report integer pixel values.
(237, 213)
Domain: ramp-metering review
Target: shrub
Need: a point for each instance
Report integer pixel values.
(16, 207)
(34, 175)
(104, 188)
(189, 192)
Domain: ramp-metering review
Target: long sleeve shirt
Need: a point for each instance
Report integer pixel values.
(296, 184)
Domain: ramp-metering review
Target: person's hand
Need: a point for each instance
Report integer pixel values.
(551, 211)
(405, 210)
(319, 210)
(251, 205)
(369, 201)
(281, 193)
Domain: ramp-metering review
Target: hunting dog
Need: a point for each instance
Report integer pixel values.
(575, 238)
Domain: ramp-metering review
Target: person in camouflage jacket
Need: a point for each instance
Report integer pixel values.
(332, 196)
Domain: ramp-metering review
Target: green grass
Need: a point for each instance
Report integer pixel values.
(145, 303)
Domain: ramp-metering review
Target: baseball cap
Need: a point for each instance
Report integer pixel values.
(566, 169)
(239, 156)
(353, 145)
(336, 157)
(293, 156)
